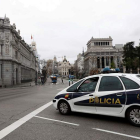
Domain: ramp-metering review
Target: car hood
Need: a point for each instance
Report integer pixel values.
(62, 91)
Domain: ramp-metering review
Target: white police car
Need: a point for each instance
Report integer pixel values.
(115, 94)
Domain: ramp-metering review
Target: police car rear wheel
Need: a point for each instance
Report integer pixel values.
(133, 116)
(64, 108)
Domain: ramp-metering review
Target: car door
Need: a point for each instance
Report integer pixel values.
(110, 96)
(83, 99)
(132, 90)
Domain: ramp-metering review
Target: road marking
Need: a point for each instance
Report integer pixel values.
(121, 134)
(4, 132)
(57, 120)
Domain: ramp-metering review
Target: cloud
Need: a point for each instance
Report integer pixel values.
(63, 27)
(42, 5)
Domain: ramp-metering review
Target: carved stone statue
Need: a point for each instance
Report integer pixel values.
(1, 22)
(19, 32)
(14, 25)
(6, 20)
(7, 37)
(7, 48)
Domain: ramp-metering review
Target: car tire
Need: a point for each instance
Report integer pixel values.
(133, 116)
(64, 108)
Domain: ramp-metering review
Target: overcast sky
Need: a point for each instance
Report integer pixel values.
(63, 27)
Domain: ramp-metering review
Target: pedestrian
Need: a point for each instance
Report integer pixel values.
(42, 79)
(39, 80)
(62, 80)
(35, 80)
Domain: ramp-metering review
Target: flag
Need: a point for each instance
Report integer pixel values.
(31, 37)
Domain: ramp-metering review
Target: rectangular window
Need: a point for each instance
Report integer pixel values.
(110, 83)
(129, 84)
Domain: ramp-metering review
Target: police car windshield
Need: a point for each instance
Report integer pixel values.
(73, 88)
(88, 85)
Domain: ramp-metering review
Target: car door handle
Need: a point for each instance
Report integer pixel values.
(90, 94)
(119, 94)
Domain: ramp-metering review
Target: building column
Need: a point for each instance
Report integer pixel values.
(115, 61)
(95, 60)
(109, 61)
(104, 61)
(124, 69)
(138, 70)
(131, 70)
(90, 64)
(100, 62)
(120, 60)
(0, 71)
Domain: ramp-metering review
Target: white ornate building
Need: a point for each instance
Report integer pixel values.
(80, 62)
(101, 53)
(17, 59)
(63, 67)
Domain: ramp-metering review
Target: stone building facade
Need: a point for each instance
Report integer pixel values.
(63, 67)
(17, 60)
(79, 64)
(101, 53)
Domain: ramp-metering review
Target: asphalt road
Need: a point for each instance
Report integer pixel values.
(28, 114)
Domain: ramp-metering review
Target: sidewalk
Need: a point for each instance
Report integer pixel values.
(28, 84)
(25, 84)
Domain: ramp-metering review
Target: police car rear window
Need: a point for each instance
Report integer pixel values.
(129, 84)
(74, 87)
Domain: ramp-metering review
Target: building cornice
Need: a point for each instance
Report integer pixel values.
(99, 39)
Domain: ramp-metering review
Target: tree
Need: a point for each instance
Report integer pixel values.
(75, 69)
(137, 56)
(112, 65)
(49, 66)
(129, 54)
(94, 71)
(44, 72)
(136, 62)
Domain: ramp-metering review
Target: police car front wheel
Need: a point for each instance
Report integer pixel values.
(64, 107)
(133, 115)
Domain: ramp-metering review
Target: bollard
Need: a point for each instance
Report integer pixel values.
(69, 82)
